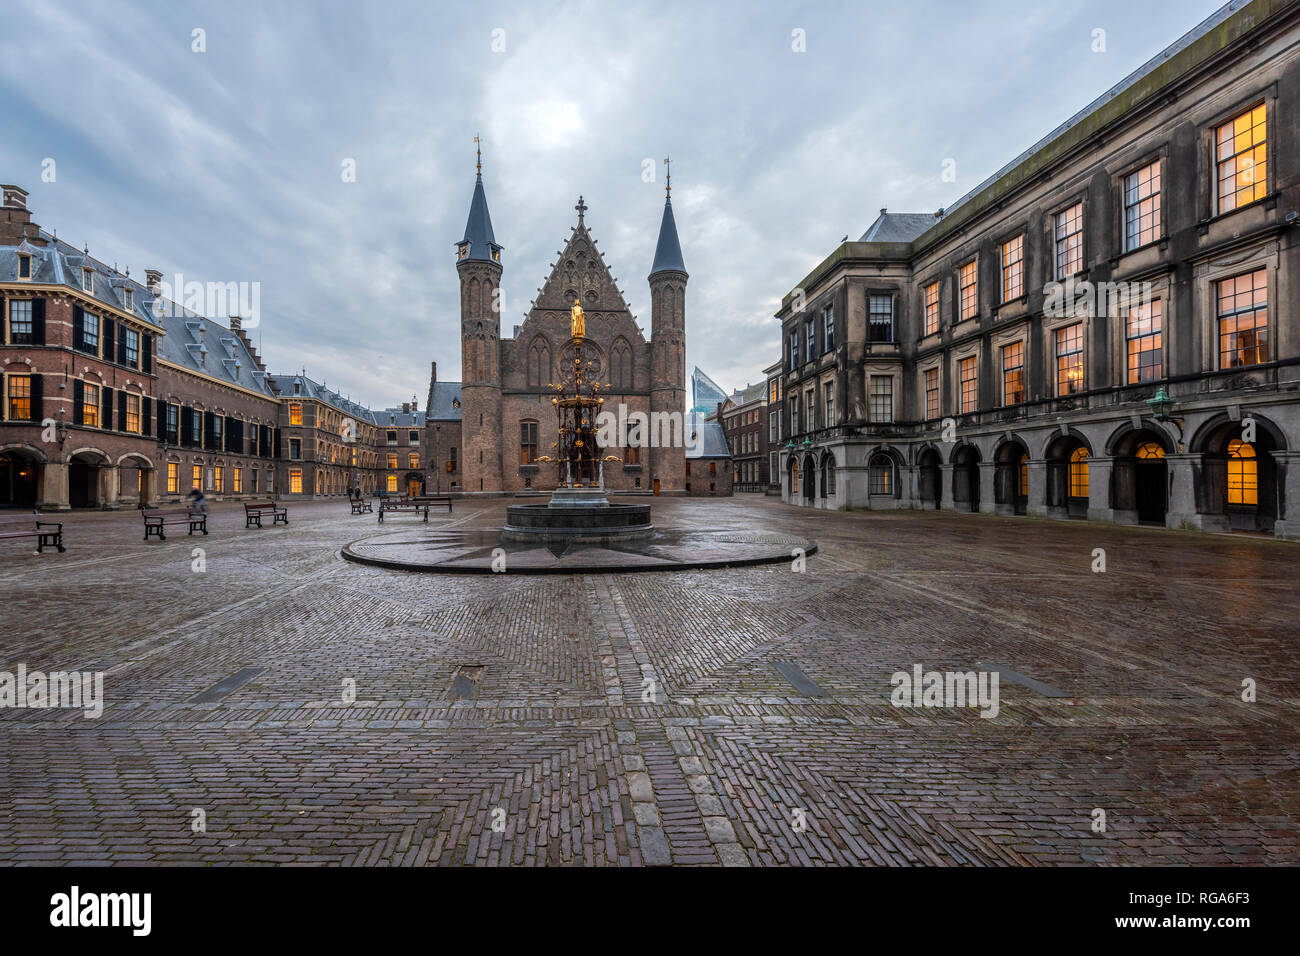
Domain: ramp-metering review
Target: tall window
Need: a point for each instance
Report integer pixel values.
(1013, 268)
(413, 460)
(794, 350)
(1079, 473)
(20, 398)
(1024, 476)
(932, 308)
(1069, 359)
(828, 391)
(132, 412)
(413, 437)
(632, 444)
(810, 406)
(527, 442)
(829, 316)
(24, 266)
(172, 435)
(1142, 206)
(295, 414)
(90, 405)
(173, 478)
(880, 312)
(882, 398)
(1013, 373)
(196, 476)
(968, 376)
(1069, 241)
(20, 321)
(1243, 319)
(219, 479)
(391, 437)
(237, 480)
(392, 459)
(131, 344)
(295, 449)
(295, 482)
(1240, 159)
(1142, 331)
(88, 280)
(90, 334)
(932, 393)
(968, 290)
(794, 412)
(880, 475)
(1243, 476)
(812, 339)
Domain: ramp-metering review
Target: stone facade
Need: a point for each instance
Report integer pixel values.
(744, 420)
(1004, 355)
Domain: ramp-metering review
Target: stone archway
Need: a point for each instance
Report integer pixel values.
(135, 480)
(809, 479)
(1139, 484)
(89, 471)
(1011, 477)
(930, 478)
(966, 478)
(22, 473)
(1239, 476)
(1068, 478)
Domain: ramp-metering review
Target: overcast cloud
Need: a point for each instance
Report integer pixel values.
(226, 165)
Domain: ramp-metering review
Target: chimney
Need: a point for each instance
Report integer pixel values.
(433, 372)
(16, 224)
(939, 214)
(153, 279)
(406, 408)
(236, 324)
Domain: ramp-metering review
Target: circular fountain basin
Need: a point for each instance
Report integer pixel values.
(604, 523)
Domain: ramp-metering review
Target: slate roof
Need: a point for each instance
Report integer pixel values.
(898, 226)
(668, 253)
(478, 227)
(59, 263)
(309, 388)
(198, 344)
(748, 394)
(446, 402)
(711, 440)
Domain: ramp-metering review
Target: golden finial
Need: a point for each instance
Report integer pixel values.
(478, 152)
(668, 176)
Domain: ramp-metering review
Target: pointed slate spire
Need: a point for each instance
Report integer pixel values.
(668, 253)
(479, 242)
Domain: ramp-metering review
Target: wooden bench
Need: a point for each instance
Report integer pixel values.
(361, 506)
(31, 526)
(255, 511)
(434, 501)
(412, 505)
(156, 520)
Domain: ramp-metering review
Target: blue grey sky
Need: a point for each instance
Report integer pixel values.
(226, 165)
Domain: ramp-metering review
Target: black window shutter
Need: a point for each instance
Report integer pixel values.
(78, 340)
(275, 443)
(228, 433)
(162, 423)
(106, 412)
(107, 351)
(146, 354)
(146, 416)
(186, 429)
(38, 407)
(207, 430)
(121, 413)
(38, 321)
(78, 396)
(121, 346)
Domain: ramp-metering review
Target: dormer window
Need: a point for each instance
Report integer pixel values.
(496, 255)
(24, 266)
(128, 299)
(462, 251)
(88, 280)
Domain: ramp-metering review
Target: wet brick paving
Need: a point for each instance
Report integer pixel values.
(627, 719)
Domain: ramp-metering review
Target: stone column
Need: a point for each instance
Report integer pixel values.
(1099, 479)
(1183, 512)
(108, 487)
(1287, 526)
(54, 486)
(946, 502)
(988, 488)
(1037, 503)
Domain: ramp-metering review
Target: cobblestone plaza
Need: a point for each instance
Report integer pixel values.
(500, 719)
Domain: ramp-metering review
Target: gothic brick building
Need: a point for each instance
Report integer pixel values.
(507, 420)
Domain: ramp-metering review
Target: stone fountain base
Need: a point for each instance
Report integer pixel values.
(577, 514)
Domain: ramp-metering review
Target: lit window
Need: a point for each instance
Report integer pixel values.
(932, 308)
(794, 475)
(295, 481)
(196, 476)
(1243, 320)
(968, 376)
(237, 480)
(1079, 473)
(881, 475)
(880, 312)
(968, 286)
(1142, 330)
(1149, 450)
(392, 460)
(90, 404)
(219, 479)
(132, 412)
(1240, 157)
(412, 460)
(295, 414)
(1069, 359)
(1013, 268)
(1243, 476)
(391, 484)
(173, 478)
(882, 398)
(1069, 241)
(1013, 373)
(1024, 476)
(20, 398)
(20, 322)
(932, 393)
(527, 442)
(1142, 206)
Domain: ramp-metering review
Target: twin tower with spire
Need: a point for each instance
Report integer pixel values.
(507, 419)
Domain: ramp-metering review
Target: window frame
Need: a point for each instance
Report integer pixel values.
(1219, 317)
(1216, 163)
(963, 381)
(1130, 242)
(1015, 269)
(1081, 352)
(1019, 369)
(1059, 270)
(973, 285)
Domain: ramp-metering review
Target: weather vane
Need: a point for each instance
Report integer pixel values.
(478, 152)
(668, 175)
(582, 209)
